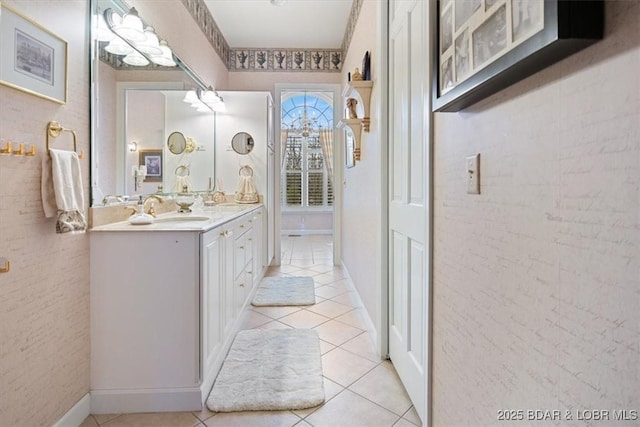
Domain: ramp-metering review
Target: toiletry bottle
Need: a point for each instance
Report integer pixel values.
(141, 217)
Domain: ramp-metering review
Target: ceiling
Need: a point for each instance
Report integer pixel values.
(295, 24)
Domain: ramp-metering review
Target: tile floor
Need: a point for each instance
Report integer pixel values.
(361, 390)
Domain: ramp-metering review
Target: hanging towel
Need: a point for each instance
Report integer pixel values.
(246, 191)
(62, 191)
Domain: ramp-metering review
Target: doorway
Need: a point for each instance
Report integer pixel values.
(306, 155)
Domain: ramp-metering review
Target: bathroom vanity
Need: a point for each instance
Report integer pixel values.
(166, 301)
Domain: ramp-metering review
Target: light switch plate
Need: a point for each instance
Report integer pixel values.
(473, 174)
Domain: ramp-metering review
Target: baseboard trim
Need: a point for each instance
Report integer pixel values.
(371, 328)
(129, 401)
(304, 232)
(77, 414)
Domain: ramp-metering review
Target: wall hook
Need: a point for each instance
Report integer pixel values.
(31, 152)
(6, 149)
(19, 151)
(4, 268)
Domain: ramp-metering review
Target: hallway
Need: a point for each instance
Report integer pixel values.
(360, 389)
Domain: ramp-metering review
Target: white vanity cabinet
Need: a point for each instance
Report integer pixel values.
(251, 112)
(165, 307)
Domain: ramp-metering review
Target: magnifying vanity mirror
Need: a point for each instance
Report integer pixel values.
(144, 104)
(176, 143)
(242, 143)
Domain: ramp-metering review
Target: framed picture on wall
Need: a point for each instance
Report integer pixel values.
(483, 46)
(32, 58)
(152, 160)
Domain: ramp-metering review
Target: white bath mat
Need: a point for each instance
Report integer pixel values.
(297, 290)
(275, 369)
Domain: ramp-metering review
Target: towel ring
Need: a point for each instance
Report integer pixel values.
(182, 170)
(245, 171)
(54, 130)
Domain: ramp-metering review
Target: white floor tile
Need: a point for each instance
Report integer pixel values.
(253, 419)
(276, 312)
(304, 319)
(345, 368)
(336, 333)
(362, 345)
(329, 309)
(382, 386)
(350, 410)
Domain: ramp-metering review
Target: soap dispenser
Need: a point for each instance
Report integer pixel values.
(140, 218)
(185, 199)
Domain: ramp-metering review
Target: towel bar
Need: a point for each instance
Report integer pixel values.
(54, 130)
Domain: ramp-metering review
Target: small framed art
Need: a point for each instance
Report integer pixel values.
(32, 58)
(152, 160)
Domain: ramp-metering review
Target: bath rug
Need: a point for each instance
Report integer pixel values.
(277, 369)
(279, 291)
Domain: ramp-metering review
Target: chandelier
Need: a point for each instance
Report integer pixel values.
(305, 125)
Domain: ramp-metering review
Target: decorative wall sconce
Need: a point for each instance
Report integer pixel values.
(133, 146)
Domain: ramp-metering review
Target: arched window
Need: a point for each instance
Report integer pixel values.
(306, 182)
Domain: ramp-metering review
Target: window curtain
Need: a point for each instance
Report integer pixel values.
(326, 141)
(284, 135)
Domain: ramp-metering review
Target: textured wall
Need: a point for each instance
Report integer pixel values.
(361, 220)
(44, 299)
(308, 222)
(537, 280)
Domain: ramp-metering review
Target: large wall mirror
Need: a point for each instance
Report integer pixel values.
(134, 110)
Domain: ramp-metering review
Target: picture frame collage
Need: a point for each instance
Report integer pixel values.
(483, 46)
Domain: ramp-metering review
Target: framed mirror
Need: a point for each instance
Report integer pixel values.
(143, 104)
(242, 143)
(176, 143)
(349, 149)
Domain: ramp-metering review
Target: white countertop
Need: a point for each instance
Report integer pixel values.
(200, 220)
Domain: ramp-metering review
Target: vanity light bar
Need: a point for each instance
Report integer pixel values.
(129, 39)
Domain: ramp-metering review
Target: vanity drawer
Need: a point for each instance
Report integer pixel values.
(242, 252)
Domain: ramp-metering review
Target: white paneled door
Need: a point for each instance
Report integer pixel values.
(409, 249)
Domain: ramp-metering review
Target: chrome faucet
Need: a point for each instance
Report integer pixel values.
(151, 211)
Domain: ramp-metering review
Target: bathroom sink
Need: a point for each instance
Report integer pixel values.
(182, 219)
(228, 208)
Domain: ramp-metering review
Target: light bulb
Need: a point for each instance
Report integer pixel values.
(131, 27)
(117, 46)
(190, 97)
(104, 34)
(150, 45)
(165, 58)
(135, 59)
